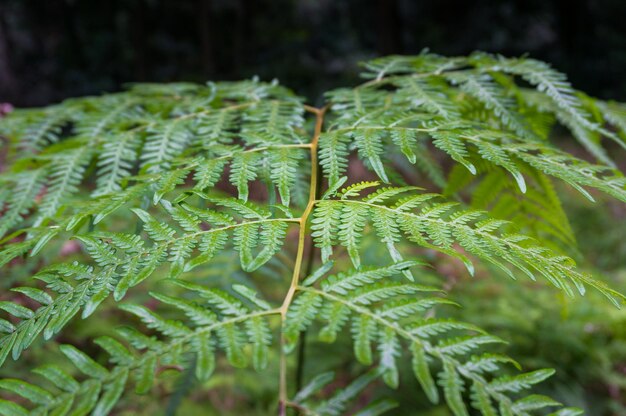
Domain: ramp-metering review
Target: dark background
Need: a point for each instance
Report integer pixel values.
(53, 49)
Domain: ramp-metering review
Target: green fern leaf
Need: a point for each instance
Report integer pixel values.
(149, 192)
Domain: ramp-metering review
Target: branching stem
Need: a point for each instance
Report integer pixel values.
(319, 114)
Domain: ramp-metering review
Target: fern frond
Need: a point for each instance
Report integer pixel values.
(216, 127)
(103, 387)
(333, 154)
(284, 167)
(547, 80)
(124, 261)
(427, 93)
(485, 90)
(26, 186)
(339, 402)
(274, 121)
(441, 225)
(65, 175)
(371, 324)
(506, 151)
(44, 128)
(539, 213)
(243, 171)
(115, 162)
(99, 116)
(164, 142)
(178, 185)
(425, 62)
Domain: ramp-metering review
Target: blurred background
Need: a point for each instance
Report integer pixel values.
(53, 49)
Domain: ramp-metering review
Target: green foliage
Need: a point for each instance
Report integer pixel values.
(136, 206)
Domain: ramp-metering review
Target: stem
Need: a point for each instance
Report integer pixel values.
(302, 338)
(300, 359)
(313, 188)
(309, 266)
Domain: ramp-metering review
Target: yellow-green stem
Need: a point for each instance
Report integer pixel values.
(319, 114)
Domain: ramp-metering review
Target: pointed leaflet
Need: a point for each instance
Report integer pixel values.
(58, 377)
(369, 143)
(166, 140)
(246, 238)
(260, 337)
(427, 94)
(26, 390)
(300, 314)
(231, 339)
(208, 173)
(406, 140)
(272, 238)
(314, 386)
(336, 315)
(326, 217)
(283, 170)
(422, 372)
(389, 348)
(243, 170)
(351, 224)
(83, 362)
(333, 155)
(26, 186)
(205, 358)
(363, 331)
(453, 388)
(66, 173)
(115, 162)
(112, 393)
(211, 242)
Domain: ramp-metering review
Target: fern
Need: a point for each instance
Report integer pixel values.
(229, 219)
